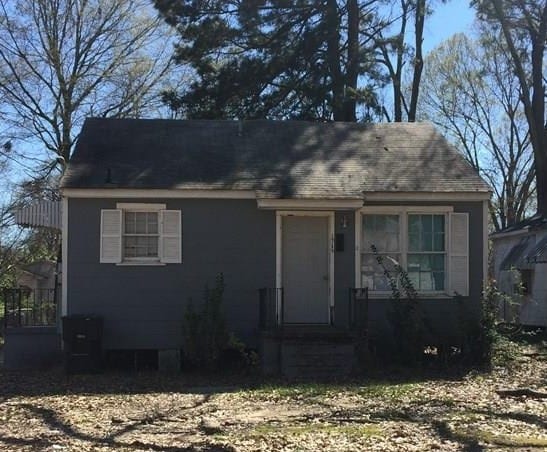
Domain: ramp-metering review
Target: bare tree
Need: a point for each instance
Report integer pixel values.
(471, 91)
(63, 60)
(523, 27)
(399, 57)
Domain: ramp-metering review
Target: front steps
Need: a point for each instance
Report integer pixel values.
(308, 352)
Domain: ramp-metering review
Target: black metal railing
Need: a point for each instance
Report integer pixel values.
(358, 308)
(29, 307)
(270, 308)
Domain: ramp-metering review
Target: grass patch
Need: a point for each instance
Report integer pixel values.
(329, 429)
(318, 390)
(387, 390)
(474, 436)
(502, 439)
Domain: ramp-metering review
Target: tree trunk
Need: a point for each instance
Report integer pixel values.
(418, 59)
(534, 107)
(538, 112)
(333, 55)
(352, 70)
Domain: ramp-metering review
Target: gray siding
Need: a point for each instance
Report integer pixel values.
(32, 347)
(143, 306)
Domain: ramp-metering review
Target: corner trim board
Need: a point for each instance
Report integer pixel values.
(485, 222)
(64, 257)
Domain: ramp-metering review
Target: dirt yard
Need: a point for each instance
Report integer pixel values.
(152, 412)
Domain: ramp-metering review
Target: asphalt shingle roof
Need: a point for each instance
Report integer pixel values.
(287, 159)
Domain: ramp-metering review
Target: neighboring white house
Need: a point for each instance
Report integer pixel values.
(520, 268)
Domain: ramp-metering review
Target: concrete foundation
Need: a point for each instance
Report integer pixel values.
(32, 347)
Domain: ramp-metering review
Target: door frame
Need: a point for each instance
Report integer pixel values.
(279, 250)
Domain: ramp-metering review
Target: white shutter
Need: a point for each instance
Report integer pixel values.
(171, 236)
(111, 236)
(459, 254)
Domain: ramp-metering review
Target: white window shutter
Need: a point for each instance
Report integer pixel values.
(111, 236)
(459, 254)
(171, 236)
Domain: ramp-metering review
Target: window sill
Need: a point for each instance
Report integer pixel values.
(421, 295)
(141, 264)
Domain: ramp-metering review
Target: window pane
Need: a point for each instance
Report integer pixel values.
(140, 222)
(438, 223)
(140, 246)
(372, 274)
(152, 223)
(129, 222)
(438, 232)
(438, 242)
(382, 231)
(427, 223)
(427, 271)
(426, 233)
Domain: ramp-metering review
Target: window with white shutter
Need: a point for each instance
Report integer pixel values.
(459, 254)
(141, 234)
(111, 236)
(171, 234)
(430, 243)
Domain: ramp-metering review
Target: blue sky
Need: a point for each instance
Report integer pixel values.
(453, 17)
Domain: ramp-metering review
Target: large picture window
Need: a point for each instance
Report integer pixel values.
(419, 243)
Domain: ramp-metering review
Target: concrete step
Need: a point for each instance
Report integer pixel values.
(304, 359)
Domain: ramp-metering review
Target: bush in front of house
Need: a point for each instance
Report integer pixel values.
(407, 320)
(208, 345)
(485, 343)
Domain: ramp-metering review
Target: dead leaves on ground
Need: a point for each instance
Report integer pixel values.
(151, 413)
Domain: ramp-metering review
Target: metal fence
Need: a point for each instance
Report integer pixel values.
(270, 308)
(29, 307)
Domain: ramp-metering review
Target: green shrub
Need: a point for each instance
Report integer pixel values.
(483, 344)
(205, 333)
(405, 315)
(207, 343)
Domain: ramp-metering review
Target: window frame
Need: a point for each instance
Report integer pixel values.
(142, 208)
(443, 253)
(403, 212)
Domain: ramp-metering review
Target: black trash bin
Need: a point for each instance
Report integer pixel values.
(82, 338)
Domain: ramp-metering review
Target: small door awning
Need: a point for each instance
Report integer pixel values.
(538, 254)
(45, 214)
(518, 255)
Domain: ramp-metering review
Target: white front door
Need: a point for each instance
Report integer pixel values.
(305, 269)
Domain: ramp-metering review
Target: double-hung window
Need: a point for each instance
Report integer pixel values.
(141, 234)
(429, 244)
(382, 233)
(426, 258)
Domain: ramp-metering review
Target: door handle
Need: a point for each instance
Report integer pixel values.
(326, 278)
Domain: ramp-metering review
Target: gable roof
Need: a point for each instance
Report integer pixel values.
(277, 159)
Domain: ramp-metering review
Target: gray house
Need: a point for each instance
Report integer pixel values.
(286, 210)
(520, 268)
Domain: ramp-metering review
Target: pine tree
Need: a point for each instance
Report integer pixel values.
(302, 59)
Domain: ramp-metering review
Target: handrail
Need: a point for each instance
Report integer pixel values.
(29, 307)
